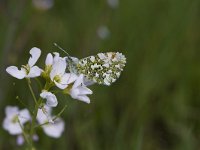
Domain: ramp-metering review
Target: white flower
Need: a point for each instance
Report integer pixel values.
(50, 97)
(13, 114)
(28, 71)
(79, 90)
(54, 129)
(58, 75)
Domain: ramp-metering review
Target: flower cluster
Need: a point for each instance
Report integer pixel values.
(17, 120)
(67, 75)
(55, 75)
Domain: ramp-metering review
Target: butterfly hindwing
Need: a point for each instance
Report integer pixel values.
(103, 68)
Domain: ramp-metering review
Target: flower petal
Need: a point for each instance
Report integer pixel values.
(78, 81)
(61, 85)
(50, 97)
(58, 68)
(24, 116)
(56, 57)
(54, 130)
(41, 118)
(35, 54)
(84, 98)
(15, 72)
(83, 90)
(14, 129)
(68, 78)
(35, 71)
(43, 115)
(75, 94)
(11, 110)
(49, 60)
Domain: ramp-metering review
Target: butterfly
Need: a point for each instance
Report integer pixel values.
(103, 68)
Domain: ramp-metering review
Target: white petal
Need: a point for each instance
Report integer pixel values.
(78, 81)
(6, 122)
(49, 60)
(56, 57)
(68, 78)
(20, 140)
(11, 110)
(12, 128)
(61, 85)
(65, 80)
(58, 68)
(35, 54)
(35, 71)
(15, 72)
(75, 94)
(84, 90)
(43, 117)
(54, 130)
(24, 116)
(51, 99)
(15, 129)
(84, 98)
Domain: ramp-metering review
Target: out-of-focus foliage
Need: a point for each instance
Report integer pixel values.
(155, 105)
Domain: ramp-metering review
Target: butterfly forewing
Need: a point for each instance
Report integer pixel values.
(103, 68)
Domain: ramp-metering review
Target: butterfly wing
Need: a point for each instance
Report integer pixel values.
(103, 68)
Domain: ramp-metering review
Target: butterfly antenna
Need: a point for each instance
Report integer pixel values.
(55, 44)
(69, 57)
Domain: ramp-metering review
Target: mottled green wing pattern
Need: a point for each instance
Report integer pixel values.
(103, 68)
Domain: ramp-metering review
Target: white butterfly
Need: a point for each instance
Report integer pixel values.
(103, 68)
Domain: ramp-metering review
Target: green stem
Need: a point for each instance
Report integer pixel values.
(38, 82)
(32, 93)
(23, 132)
(34, 115)
(48, 85)
(33, 123)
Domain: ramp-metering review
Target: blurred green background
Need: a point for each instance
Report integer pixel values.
(154, 105)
